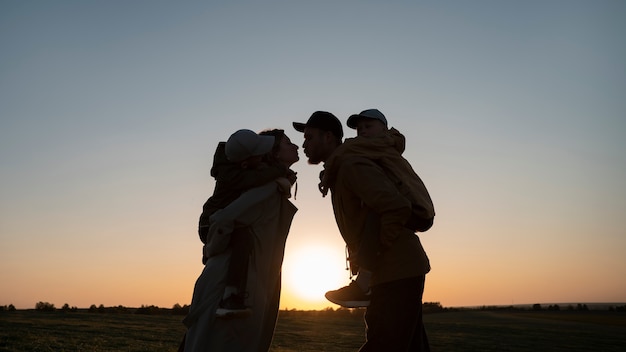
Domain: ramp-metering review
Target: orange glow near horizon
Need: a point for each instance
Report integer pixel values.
(308, 272)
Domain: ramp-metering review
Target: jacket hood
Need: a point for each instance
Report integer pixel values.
(219, 159)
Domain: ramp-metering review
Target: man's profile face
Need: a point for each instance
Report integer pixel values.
(315, 144)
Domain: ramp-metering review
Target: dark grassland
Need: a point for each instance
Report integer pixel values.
(469, 330)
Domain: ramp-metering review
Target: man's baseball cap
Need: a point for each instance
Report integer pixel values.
(245, 143)
(324, 121)
(366, 114)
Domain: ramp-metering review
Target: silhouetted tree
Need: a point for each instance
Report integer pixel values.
(148, 310)
(9, 308)
(44, 307)
(432, 307)
(66, 308)
(119, 309)
(178, 310)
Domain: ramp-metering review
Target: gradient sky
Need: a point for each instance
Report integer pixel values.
(514, 114)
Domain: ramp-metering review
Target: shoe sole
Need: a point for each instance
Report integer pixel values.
(350, 304)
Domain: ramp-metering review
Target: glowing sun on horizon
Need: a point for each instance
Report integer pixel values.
(312, 271)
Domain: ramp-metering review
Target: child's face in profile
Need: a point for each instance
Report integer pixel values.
(369, 127)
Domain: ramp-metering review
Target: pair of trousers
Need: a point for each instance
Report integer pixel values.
(394, 317)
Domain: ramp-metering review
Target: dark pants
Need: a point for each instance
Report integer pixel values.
(241, 243)
(394, 317)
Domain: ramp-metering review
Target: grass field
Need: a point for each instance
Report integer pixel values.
(472, 330)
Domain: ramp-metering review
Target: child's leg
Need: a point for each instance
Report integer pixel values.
(368, 252)
(363, 280)
(233, 300)
(241, 247)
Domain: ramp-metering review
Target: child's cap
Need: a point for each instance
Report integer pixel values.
(245, 143)
(367, 114)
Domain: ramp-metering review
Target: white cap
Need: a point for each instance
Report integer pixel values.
(245, 143)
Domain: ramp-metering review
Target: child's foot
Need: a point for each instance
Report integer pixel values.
(351, 296)
(233, 307)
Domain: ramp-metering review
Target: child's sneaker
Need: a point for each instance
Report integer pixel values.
(351, 296)
(233, 307)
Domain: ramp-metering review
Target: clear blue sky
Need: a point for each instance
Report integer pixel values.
(514, 113)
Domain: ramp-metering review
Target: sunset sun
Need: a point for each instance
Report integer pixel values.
(312, 271)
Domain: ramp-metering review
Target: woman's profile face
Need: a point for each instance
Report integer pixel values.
(287, 152)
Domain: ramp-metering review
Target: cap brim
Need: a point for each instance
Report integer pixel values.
(299, 126)
(353, 120)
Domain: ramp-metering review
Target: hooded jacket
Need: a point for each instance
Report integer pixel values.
(386, 150)
(367, 204)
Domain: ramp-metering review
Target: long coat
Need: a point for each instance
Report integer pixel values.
(268, 213)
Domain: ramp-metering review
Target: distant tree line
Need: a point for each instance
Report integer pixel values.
(551, 307)
(428, 307)
(177, 309)
(579, 307)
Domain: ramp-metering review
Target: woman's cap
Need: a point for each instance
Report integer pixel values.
(246, 143)
(324, 121)
(366, 114)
